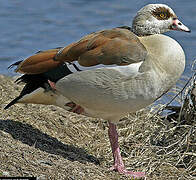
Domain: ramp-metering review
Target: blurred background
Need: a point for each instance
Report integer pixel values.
(30, 26)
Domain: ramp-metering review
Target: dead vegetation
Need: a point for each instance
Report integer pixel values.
(49, 143)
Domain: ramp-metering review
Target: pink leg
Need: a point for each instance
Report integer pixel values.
(78, 109)
(52, 84)
(75, 108)
(118, 162)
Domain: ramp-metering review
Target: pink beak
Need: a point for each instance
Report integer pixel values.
(178, 26)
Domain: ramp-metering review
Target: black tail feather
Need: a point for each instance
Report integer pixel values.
(12, 102)
(25, 79)
(35, 81)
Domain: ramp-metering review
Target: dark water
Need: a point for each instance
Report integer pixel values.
(29, 26)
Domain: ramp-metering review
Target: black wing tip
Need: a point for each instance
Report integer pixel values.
(19, 80)
(14, 64)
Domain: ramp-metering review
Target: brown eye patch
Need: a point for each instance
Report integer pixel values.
(162, 13)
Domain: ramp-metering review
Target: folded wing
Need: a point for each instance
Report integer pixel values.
(117, 46)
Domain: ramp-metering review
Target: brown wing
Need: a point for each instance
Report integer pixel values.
(115, 46)
(39, 62)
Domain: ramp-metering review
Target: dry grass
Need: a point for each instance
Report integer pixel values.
(50, 143)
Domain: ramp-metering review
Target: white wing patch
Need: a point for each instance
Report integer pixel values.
(75, 66)
(125, 70)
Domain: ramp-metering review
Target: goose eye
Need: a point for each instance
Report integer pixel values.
(162, 15)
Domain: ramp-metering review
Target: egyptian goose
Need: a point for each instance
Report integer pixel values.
(109, 73)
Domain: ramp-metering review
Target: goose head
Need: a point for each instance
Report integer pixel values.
(156, 19)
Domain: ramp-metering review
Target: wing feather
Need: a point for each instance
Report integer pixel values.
(39, 63)
(115, 46)
(118, 46)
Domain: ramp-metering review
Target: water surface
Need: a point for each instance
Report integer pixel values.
(29, 26)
